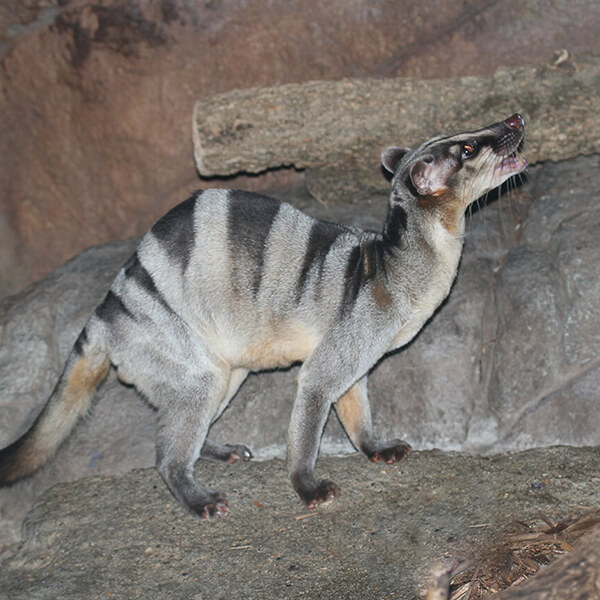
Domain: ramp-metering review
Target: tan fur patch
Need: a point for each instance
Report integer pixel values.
(448, 207)
(382, 298)
(83, 380)
(351, 412)
(284, 344)
(59, 415)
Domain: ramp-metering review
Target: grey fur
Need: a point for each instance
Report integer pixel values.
(230, 282)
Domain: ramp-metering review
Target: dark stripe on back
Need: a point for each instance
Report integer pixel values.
(175, 231)
(135, 270)
(352, 280)
(111, 308)
(249, 221)
(80, 342)
(322, 236)
(396, 224)
(365, 261)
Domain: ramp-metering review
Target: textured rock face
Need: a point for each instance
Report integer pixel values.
(96, 97)
(337, 129)
(510, 361)
(552, 392)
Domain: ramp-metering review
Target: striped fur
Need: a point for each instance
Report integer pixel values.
(230, 282)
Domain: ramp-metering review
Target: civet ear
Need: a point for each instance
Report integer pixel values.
(391, 157)
(428, 179)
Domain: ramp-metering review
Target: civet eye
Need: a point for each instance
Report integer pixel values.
(469, 149)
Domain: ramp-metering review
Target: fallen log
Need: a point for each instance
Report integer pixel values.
(337, 129)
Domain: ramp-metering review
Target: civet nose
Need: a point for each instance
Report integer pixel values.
(516, 122)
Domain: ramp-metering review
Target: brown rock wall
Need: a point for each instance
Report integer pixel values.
(96, 97)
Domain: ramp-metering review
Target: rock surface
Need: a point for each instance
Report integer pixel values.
(125, 537)
(337, 129)
(509, 362)
(96, 96)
